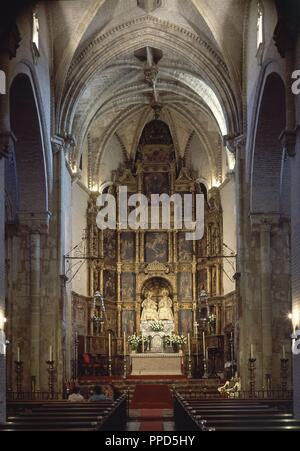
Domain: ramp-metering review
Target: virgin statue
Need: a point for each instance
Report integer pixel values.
(149, 309)
(165, 312)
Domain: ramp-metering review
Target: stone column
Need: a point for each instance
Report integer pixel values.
(266, 298)
(10, 40)
(2, 297)
(35, 286)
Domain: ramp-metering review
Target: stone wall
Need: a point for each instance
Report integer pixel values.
(2, 296)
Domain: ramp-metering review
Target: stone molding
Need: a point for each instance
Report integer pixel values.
(260, 221)
(288, 139)
(7, 140)
(34, 222)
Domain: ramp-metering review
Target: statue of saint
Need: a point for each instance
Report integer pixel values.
(149, 306)
(165, 312)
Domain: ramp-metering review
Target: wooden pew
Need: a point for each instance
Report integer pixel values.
(228, 415)
(65, 416)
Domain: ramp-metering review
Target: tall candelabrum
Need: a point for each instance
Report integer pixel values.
(284, 369)
(252, 375)
(125, 367)
(51, 377)
(19, 375)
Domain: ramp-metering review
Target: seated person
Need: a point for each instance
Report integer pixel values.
(98, 395)
(76, 396)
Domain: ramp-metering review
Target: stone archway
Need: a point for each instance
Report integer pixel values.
(27, 222)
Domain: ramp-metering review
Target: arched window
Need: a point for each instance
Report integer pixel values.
(260, 31)
(35, 36)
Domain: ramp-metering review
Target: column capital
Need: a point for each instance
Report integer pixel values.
(63, 143)
(288, 139)
(233, 141)
(35, 222)
(7, 140)
(264, 222)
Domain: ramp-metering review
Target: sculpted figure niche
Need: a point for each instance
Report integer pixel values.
(165, 312)
(149, 306)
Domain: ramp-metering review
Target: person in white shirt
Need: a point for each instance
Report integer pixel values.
(76, 396)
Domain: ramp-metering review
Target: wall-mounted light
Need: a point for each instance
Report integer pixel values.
(295, 320)
(3, 320)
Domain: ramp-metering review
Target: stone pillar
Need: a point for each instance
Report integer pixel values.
(266, 298)
(35, 287)
(10, 40)
(2, 297)
(295, 245)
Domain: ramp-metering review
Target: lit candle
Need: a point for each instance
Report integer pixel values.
(189, 345)
(109, 345)
(50, 354)
(124, 344)
(18, 354)
(283, 352)
(251, 352)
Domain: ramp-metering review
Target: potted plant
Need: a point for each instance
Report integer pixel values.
(134, 342)
(157, 326)
(176, 341)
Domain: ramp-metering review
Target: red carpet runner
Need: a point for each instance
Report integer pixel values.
(151, 406)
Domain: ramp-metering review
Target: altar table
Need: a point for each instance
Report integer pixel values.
(162, 364)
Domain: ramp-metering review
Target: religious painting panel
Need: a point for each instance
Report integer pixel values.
(128, 322)
(156, 247)
(202, 280)
(156, 183)
(128, 286)
(185, 286)
(110, 282)
(185, 322)
(110, 245)
(185, 248)
(127, 247)
(157, 155)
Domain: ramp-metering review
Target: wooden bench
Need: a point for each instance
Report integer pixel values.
(66, 416)
(232, 415)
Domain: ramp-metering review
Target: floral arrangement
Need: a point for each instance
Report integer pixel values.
(134, 341)
(157, 326)
(176, 340)
(97, 319)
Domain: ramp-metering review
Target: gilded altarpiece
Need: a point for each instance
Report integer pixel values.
(129, 263)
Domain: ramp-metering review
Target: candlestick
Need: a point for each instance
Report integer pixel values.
(203, 343)
(51, 375)
(252, 376)
(50, 354)
(19, 376)
(109, 345)
(125, 357)
(18, 354)
(284, 369)
(124, 344)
